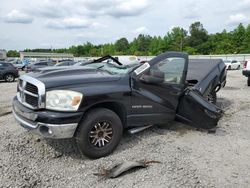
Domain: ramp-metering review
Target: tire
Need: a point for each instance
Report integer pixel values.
(229, 68)
(90, 133)
(212, 97)
(238, 68)
(9, 77)
(248, 81)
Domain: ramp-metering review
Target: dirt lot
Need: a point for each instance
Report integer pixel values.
(189, 157)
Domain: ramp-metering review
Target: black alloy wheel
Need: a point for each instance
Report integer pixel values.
(99, 133)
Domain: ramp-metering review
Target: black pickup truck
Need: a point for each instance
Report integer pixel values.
(96, 102)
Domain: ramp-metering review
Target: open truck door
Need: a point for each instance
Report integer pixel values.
(161, 94)
(156, 89)
(197, 111)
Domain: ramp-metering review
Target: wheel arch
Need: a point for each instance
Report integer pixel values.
(116, 107)
(8, 73)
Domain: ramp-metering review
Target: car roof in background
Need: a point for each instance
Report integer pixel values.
(4, 62)
(82, 63)
(229, 60)
(120, 60)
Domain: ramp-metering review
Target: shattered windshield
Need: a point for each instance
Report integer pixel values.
(113, 67)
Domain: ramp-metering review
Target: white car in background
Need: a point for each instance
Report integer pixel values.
(232, 64)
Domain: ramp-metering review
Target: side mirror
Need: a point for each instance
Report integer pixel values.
(154, 77)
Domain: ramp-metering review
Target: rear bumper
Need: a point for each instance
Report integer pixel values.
(246, 73)
(46, 123)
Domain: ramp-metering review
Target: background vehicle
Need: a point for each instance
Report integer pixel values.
(66, 63)
(81, 63)
(96, 102)
(18, 64)
(60, 67)
(126, 60)
(232, 64)
(40, 64)
(246, 71)
(8, 72)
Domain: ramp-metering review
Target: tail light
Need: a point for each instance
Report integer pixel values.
(245, 64)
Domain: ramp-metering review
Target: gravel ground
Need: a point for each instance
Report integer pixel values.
(189, 157)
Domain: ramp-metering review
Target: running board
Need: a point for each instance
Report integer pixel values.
(138, 129)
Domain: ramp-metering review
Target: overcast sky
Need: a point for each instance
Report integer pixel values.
(62, 23)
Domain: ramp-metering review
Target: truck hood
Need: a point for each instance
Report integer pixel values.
(73, 76)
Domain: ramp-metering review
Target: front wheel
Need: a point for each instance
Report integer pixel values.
(99, 133)
(9, 78)
(248, 81)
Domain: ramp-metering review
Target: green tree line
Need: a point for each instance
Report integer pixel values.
(194, 41)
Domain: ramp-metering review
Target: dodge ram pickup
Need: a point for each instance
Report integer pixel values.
(96, 102)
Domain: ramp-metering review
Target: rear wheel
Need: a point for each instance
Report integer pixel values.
(212, 97)
(9, 78)
(229, 68)
(99, 133)
(248, 81)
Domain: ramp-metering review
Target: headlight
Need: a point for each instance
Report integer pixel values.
(63, 100)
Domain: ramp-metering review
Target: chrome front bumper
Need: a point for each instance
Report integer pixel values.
(56, 131)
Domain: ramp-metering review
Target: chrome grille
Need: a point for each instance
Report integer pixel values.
(31, 92)
(33, 101)
(31, 88)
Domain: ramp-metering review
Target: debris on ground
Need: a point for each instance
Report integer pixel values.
(121, 168)
(5, 113)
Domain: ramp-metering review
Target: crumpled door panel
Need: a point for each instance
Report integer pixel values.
(195, 110)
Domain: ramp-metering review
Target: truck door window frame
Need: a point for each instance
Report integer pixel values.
(164, 56)
(172, 68)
